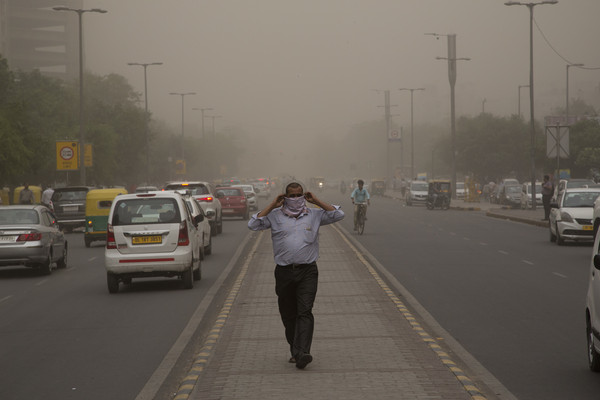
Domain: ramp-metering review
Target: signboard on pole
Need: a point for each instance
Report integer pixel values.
(88, 160)
(180, 167)
(67, 156)
(557, 141)
(394, 135)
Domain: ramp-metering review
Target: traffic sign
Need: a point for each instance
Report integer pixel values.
(67, 155)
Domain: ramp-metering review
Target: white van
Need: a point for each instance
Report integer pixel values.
(151, 234)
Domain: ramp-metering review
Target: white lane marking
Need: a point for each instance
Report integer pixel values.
(483, 243)
(40, 283)
(93, 258)
(560, 275)
(502, 252)
(466, 238)
(5, 298)
(527, 262)
(453, 233)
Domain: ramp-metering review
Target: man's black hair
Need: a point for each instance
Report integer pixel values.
(293, 185)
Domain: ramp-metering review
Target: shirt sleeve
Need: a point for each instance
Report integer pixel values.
(259, 224)
(368, 195)
(329, 217)
(353, 193)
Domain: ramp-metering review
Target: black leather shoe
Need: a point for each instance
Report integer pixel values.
(303, 360)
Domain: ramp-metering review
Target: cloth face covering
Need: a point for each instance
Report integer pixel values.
(294, 206)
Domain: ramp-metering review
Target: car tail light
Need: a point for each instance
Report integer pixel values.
(110, 237)
(207, 199)
(30, 237)
(183, 239)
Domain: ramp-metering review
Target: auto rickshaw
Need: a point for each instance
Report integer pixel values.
(378, 187)
(37, 194)
(97, 208)
(439, 194)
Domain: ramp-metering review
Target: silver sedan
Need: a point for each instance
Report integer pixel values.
(31, 237)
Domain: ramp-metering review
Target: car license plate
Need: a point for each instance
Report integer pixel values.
(11, 238)
(588, 228)
(70, 208)
(146, 239)
(227, 210)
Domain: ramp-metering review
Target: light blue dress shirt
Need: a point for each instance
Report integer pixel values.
(295, 240)
(360, 196)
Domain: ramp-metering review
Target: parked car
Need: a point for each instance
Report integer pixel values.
(510, 195)
(31, 237)
(495, 193)
(571, 216)
(592, 309)
(571, 183)
(460, 190)
(233, 201)
(204, 192)
(263, 189)
(526, 201)
(251, 198)
(149, 235)
(417, 193)
(69, 206)
(203, 227)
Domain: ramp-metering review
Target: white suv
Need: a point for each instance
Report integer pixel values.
(592, 309)
(151, 234)
(204, 192)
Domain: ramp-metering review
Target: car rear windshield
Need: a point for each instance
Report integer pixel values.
(230, 192)
(69, 195)
(195, 188)
(156, 210)
(19, 217)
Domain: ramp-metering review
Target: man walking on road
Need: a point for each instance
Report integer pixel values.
(295, 234)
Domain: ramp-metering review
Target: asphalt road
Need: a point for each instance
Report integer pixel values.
(64, 336)
(511, 298)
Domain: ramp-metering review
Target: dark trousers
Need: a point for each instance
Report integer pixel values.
(546, 202)
(296, 289)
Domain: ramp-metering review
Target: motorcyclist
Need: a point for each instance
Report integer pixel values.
(360, 196)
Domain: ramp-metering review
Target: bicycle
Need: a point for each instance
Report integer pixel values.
(360, 217)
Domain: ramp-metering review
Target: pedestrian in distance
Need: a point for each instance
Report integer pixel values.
(295, 235)
(547, 192)
(26, 195)
(47, 197)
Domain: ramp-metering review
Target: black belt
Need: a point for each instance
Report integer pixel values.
(296, 266)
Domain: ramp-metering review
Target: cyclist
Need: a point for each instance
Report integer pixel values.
(360, 196)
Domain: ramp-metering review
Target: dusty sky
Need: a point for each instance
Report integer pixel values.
(287, 67)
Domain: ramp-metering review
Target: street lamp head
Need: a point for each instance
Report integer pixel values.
(575, 65)
(98, 10)
(61, 8)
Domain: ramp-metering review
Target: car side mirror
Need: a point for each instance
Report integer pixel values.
(198, 218)
(597, 261)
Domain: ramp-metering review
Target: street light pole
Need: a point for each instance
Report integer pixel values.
(202, 112)
(81, 148)
(521, 86)
(530, 6)
(147, 116)
(452, 78)
(412, 136)
(182, 119)
(214, 133)
(567, 103)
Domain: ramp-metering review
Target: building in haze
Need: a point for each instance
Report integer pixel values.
(33, 36)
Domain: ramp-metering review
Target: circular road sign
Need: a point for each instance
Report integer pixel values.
(66, 153)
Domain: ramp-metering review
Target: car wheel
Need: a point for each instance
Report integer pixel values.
(213, 229)
(220, 225)
(246, 216)
(593, 356)
(208, 249)
(188, 277)
(552, 235)
(112, 282)
(62, 262)
(46, 266)
(559, 240)
(87, 241)
(198, 273)
(201, 250)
